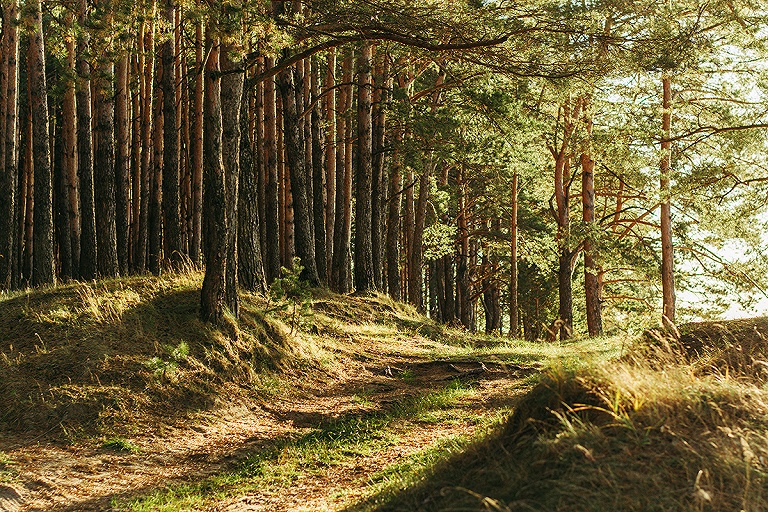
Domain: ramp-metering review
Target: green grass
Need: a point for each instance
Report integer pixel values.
(335, 443)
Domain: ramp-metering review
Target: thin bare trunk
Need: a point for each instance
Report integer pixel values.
(667, 252)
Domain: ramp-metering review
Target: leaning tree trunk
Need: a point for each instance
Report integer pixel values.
(364, 273)
(43, 271)
(212, 296)
(667, 254)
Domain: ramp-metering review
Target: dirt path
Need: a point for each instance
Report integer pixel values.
(82, 477)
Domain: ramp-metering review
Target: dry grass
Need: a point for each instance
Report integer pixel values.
(665, 428)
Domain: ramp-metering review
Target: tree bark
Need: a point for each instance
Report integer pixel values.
(514, 309)
(379, 178)
(155, 218)
(329, 95)
(272, 206)
(43, 271)
(9, 119)
(250, 266)
(667, 251)
(294, 151)
(171, 209)
(393, 230)
(364, 273)
(196, 150)
(231, 97)
(212, 296)
(88, 255)
(69, 151)
(122, 163)
(591, 271)
(318, 174)
(340, 274)
(415, 280)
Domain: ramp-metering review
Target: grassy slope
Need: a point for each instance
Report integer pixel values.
(677, 425)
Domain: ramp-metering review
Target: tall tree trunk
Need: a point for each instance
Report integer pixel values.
(364, 273)
(514, 309)
(463, 279)
(43, 271)
(69, 150)
(393, 229)
(250, 266)
(409, 225)
(146, 65)
(318, 173)
(88, 256)
(667, 253)
(340, 273)
(294, 151)
(122, 163)
(231, 97)
(415, 280)
(9, 162)
(170, 192)
(63, 241)
(104, 158)
(379, 178)
(196, 149)
(272, 206)
(329, 96)
(212, 296)
(156, 173)
(591, 271)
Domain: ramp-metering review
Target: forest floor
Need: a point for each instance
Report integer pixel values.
(114, 396)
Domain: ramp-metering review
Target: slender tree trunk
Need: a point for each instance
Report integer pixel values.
(69, 151)
(122, 163)
(171, 209)
(409, 225)
(250, 266)
(212, 297)
(9, 174)
(272, 206)
(231, 97)
(364, 273)
(463, 281)
(415, 280)
(591, 271)
(329, 96)
(341, 275)
(43, 271)
(196, 149)
(667, 254)
(393, 230)
(514, 309)
(379, 178)
(294, 150)
(318, 174)
(146, 64)
(156, 172)
(88, 256)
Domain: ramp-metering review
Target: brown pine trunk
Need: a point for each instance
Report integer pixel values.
(364, 274)
(260, 163)
(299, 176)
(212, 295)
(136, 151)
(250, 266)
(329, 95)
(146, 65)
(667, 253)
(393, 229)
(63, 242)
(408, 229)
(171, 210)
(69, 151)
(272, 203)
(317, 136)
(415, 280)
(591, 271)
(514, 309)
(43, 271)
(88, 256)
(379, 177)
(231, 97)
(9, 162)
(342, 232)
(463, 282)
(122, 163)
(156, 173)
(196, 150)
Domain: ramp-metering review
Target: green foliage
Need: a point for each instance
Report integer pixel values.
(291, 295)
(120, 444)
